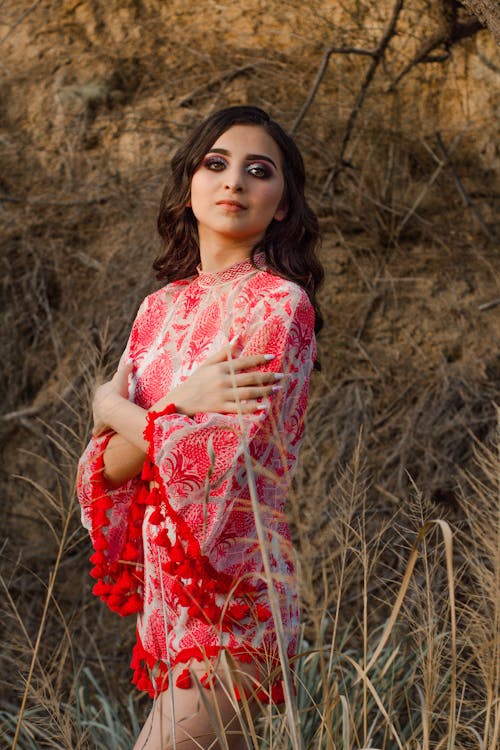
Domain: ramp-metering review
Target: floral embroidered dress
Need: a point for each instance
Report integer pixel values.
(177, 545)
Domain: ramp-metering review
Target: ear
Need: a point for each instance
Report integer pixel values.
(281, 213)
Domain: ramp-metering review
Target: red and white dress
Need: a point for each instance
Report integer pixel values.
(184, 555)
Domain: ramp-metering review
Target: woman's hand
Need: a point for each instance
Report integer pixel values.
(105, 398)
(224, 384)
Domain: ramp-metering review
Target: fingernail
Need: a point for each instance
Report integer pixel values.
(279, 375)
(269, 357)
(277, 388)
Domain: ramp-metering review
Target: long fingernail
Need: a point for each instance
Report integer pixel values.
(277, 388)
(279, 375)
(269, 357)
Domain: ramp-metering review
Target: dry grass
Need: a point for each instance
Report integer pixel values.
(407, 660)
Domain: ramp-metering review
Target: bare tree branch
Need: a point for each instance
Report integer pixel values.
(20, 20)
(319, 77)
(377, 57)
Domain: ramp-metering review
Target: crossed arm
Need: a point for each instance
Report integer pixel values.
(223, 383)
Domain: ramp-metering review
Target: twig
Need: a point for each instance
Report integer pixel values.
(319, 77)
(27, 411)
(487, 62)
(367, 313)
(461, 189)
(215, 81)
(419, 198)
(377, 57)
(20, 20)
(489, 305)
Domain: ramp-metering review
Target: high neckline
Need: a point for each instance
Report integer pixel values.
(243, 267)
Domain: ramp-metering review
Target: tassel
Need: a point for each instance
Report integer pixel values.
(207, 680)
(132, 605)
(239, 611)
(101, 588)
(184, 679)
(156, 517)
(162, 539)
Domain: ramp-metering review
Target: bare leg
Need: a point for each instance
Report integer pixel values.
(194, 725)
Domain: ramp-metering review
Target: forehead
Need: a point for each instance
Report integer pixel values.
(248, 139)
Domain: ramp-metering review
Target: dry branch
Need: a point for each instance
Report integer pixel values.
(20, 20)
(27, 411)
(489, 305)
(377, 57)
(319, 77)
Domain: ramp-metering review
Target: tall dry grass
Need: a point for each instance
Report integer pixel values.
(399, 647)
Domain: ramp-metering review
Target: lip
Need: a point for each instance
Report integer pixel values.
(231, 205)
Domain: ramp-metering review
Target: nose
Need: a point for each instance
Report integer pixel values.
(233, 181)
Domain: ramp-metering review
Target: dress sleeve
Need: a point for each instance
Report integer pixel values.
(206, 453)
(91, 484)
(105, 513)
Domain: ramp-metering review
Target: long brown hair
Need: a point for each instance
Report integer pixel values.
(289, 245)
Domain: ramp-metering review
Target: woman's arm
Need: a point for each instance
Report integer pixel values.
(122, 461)
(222, 384)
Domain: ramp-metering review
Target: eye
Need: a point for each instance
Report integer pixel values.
(215, 163)
(260, 170)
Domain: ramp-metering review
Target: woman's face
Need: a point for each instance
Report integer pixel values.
(238, 189)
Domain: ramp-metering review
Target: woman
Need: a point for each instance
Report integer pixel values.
(208, 400)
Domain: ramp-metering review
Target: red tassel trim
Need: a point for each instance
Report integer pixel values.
(149, 436)
(118, 582)
(196, 582)
(151, 674)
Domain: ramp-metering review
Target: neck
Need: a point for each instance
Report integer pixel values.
(217, 253)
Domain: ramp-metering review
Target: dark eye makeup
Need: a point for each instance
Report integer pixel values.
(215, 163)
(260, 169)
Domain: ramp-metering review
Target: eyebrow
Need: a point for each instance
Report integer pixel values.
(248, 157)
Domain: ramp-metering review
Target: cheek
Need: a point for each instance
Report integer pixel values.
(198, 189)
(272, 195)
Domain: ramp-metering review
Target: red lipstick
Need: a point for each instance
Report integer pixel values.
(231, 205)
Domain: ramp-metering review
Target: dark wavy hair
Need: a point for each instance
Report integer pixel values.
(289, 245)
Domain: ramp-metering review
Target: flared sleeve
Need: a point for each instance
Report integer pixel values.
(106, 514)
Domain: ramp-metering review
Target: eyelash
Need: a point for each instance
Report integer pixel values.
(211, 161)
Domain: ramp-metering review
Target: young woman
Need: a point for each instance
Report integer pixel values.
(207, 404)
